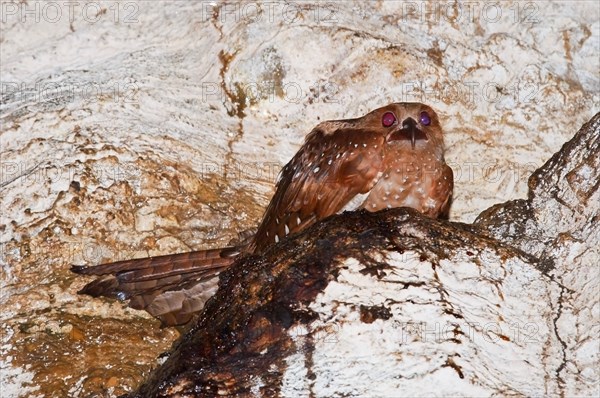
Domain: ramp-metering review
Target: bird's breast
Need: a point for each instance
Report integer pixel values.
(408, 182)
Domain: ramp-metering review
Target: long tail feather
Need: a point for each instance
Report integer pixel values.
(150, 262)
(172, 287)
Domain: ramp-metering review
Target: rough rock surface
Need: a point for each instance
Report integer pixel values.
(560, 224)
(394, 303)
(130, 129)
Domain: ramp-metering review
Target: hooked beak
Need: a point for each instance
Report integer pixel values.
(409, 131)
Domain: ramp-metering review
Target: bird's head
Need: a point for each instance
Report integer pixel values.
(411, 124)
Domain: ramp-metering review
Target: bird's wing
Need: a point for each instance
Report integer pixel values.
(444, 190)
(171, 287)
(332, 167)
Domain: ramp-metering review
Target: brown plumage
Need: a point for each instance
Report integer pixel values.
(391, 157)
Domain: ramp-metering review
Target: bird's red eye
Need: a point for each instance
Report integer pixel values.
(388, 119)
